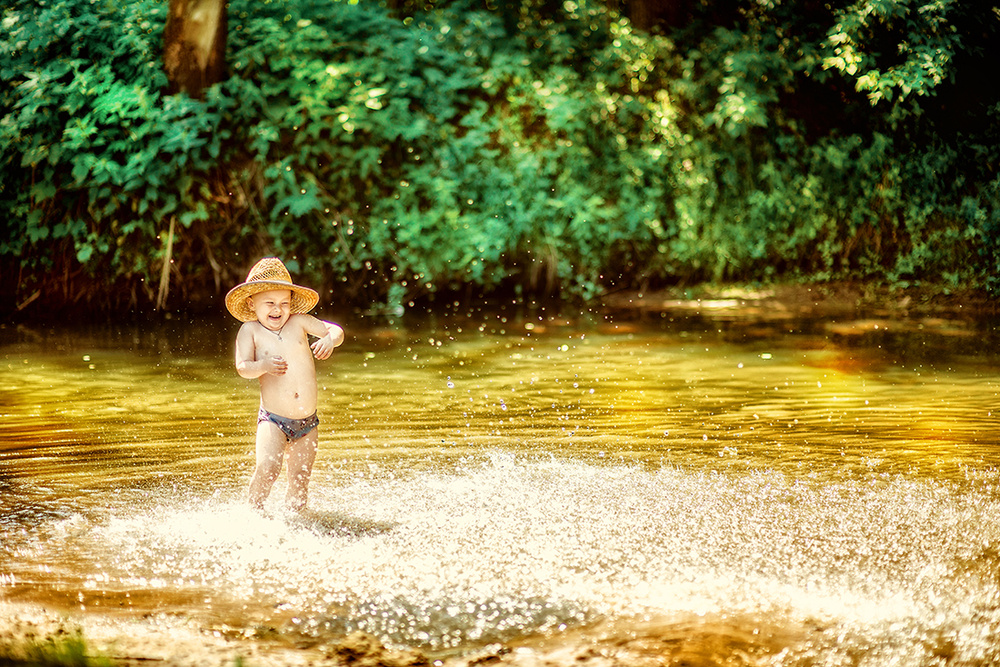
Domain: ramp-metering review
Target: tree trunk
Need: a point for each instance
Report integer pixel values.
(194, 45)
(648, 14)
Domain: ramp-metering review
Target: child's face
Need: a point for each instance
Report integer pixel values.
(272, 308)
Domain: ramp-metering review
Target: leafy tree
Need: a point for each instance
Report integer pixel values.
(529, 146)
(95, 161)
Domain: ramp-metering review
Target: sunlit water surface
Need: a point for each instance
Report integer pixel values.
(488, 481)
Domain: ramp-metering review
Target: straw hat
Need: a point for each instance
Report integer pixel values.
(268, 274)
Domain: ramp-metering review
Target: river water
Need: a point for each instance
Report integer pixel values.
(826, 490)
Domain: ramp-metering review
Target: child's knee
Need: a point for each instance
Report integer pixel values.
(269, 468)
(300, 473)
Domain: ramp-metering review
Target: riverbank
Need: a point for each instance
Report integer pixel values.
(793, 300)
(32, 635)
(36, 636)
(745, 301)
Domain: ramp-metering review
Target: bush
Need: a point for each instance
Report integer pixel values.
(389, 157)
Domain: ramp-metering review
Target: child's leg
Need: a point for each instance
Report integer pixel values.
(270, 447)
(301, 456)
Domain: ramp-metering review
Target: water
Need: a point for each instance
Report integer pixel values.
(827, 489)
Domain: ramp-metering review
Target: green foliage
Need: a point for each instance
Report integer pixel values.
(95, 159)
(769, 185)
(538, 147)
(442, 152)
(894, 48)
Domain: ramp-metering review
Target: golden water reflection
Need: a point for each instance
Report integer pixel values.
(487, 481)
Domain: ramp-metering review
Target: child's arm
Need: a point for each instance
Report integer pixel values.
(246, 363)
(329, 336)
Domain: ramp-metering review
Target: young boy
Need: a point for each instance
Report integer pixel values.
(273, 345)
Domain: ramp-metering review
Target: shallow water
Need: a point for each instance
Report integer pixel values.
(831, 484)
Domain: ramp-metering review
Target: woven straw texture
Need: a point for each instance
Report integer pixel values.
(268, 274)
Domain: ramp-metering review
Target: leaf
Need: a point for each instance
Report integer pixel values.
(81, 167)
(198, 213)
(83, 252)
(304, 202)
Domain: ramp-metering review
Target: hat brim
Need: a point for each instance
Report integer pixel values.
(304, 299)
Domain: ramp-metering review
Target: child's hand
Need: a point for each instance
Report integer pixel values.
(276, 365)
(323, 347)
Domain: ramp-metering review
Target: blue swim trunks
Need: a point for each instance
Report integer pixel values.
(292, 428)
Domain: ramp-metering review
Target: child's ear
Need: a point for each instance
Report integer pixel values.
(250, 304)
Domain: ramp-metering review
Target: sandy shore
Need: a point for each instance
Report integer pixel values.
(172, 641)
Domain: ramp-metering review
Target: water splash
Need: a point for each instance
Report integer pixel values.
(508, 544)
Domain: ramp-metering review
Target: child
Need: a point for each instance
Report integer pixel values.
(273, 345)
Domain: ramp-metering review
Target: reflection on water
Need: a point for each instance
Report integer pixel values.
(834, 486)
